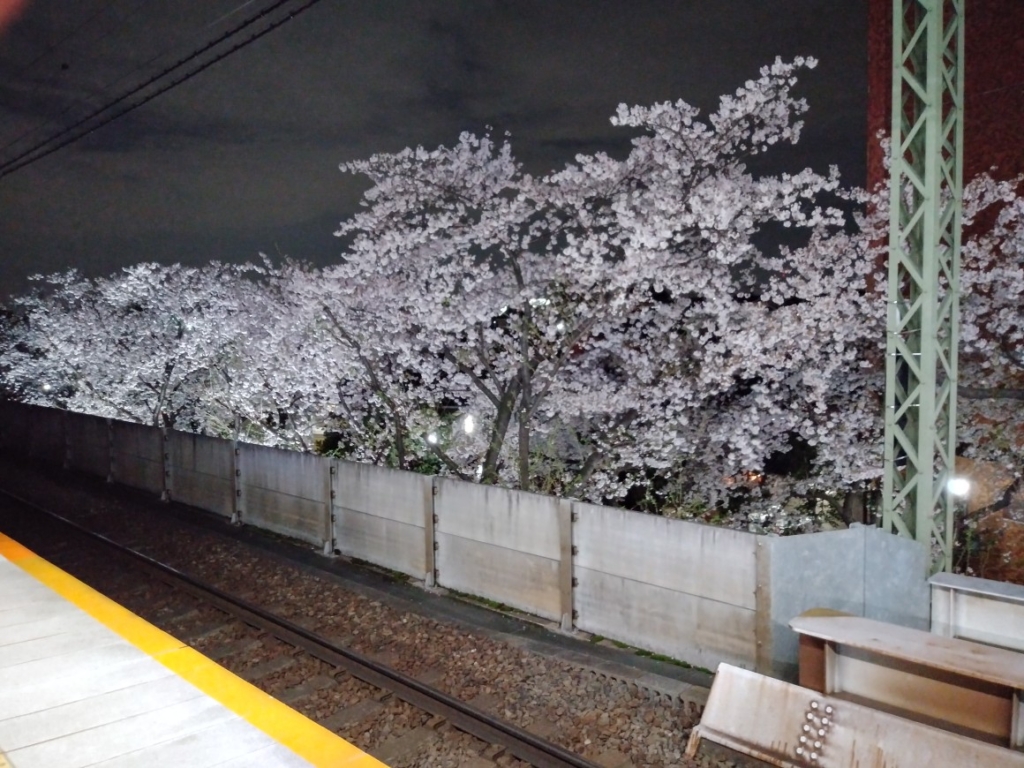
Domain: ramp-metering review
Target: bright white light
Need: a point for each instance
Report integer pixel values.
(959, 486)
(47, 387)
(480, 471)
(560, 327)
(432, 438)
(469, 424)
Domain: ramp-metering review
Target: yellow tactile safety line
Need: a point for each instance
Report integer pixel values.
(282, 723)
(4, 762)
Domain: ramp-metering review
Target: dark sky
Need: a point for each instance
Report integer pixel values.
(244, 157)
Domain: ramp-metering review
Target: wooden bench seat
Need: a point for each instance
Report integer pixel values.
(958, 685)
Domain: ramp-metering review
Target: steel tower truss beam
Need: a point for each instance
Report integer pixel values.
(924, 272)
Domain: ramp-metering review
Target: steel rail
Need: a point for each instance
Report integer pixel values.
(519, 742)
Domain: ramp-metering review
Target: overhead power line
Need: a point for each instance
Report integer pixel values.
(40, 150)
(162, 54)
(37, 127)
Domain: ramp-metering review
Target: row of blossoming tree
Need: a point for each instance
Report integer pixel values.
(614, 331)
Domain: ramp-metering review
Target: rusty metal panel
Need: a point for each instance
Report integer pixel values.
(786, 725)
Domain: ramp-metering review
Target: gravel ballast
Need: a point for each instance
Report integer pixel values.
(613, 721)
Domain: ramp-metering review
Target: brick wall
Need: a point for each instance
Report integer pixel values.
(994, 86)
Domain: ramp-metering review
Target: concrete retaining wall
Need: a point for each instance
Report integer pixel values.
(138, 454)
(284, 491)
(35, 432)
(694, 592)
(681, 589)
(384, 516)
(201, 472)
(499, 544)
(89, 444)
(15, 434)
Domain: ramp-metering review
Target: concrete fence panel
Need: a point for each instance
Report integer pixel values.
(682, 589)
(88, 439)
(384, 516)
(16, 427)
(499, 544)
(138, 456)
(284, 491)
(694, 592)
(44, 434)
(201, 472)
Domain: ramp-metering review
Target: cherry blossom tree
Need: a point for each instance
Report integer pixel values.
(195, 349)
(613, 326)
(603, 306)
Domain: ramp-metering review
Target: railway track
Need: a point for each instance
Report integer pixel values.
(209, 616)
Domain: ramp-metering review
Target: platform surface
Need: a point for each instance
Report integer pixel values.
(85, 682)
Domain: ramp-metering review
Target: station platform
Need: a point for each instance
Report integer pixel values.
(85, 682)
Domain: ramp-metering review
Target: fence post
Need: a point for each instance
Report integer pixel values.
(64, 417)
(165, 462)
(566, 581)
(110, 451)
(763, 650)
(430, 520)
(330, 544)
(236, 483)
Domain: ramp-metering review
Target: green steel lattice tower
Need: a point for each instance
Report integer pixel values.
(924, 272)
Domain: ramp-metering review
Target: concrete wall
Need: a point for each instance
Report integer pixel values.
(864, 571)
(284, 491)
(499, 544)
(201, 472)
(694, 592)
(35, 432)
(138, 456)
(14, 427)
(88, 440)
(384, 516)
(681, 589)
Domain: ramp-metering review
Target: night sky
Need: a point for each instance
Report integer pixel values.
(244, 157)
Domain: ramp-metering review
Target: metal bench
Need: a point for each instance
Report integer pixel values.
(976, 609)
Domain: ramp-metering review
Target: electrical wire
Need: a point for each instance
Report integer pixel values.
(103, 9)
(21, 71)
(29, 156)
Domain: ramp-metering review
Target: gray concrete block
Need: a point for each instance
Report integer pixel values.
(686, 627)
(381, 540)
(519, 579)
(300, 518)
(382, 492)
(523, 522)
(700, 560)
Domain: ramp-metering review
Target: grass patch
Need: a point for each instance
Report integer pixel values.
(668, 660)
(483, 601)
